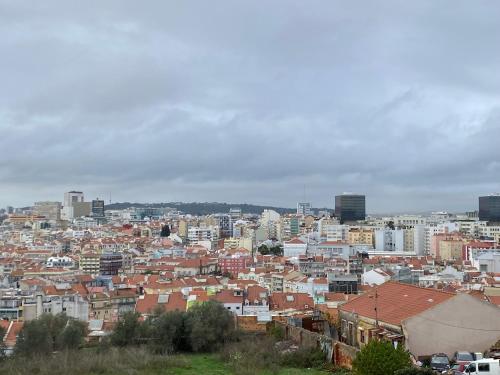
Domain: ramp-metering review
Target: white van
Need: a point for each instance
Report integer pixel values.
(485, 366)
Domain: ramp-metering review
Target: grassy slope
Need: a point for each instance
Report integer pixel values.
(129, 362)
(211, 365)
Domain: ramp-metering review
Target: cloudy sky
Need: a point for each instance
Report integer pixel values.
(250, 101)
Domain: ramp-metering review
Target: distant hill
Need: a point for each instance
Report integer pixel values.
(202, 208)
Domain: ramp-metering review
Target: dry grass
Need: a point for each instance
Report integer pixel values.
(90, 362)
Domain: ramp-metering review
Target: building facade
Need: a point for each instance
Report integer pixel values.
(350, 207)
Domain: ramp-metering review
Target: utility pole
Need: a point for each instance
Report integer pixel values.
(376, 308)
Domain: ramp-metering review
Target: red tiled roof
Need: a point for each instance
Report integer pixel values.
(148, 302)
(395, 302)
(494, 300)
(227, 296)
(295, 241)
(296, 301)
(12, 332)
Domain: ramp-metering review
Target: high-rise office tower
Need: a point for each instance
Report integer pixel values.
(98, 208)
(489, 208)
(350, 207)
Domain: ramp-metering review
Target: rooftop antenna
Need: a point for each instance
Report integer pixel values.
(109, 197)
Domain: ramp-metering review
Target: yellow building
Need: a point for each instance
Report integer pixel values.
(358, 236)
(182, 231)
(450, 249)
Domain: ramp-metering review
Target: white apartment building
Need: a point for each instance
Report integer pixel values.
(294, 248)
(336, 232)
(392, 240)
(208, 233)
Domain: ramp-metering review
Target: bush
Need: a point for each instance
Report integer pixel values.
(304, 358)
(128, 330)
(277, 332)
(251, 355)
(49, 333)
(208, 326)
(381, 358)
(167, 332)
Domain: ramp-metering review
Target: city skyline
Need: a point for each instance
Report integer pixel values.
(192, 102)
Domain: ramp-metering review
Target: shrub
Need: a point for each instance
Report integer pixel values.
(304, 358)
(49, 333)
(379, 357)
(277, 332)
(127, 331)
(208, 326)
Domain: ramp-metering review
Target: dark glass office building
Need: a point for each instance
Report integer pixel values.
(350, 207)
(489, 208)
(98, 208)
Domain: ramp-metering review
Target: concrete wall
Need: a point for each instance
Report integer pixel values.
(336, 352)
(462, 323)
(250, 323)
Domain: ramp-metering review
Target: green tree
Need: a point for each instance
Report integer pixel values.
(127, 331)
(54, 324)
(167, 332)
(379, 357)
(263, 249)
(277, 250)
(49, 333)
(208, 326)
(33, 339)
(72, 336)
(2, 344)
(165, 231)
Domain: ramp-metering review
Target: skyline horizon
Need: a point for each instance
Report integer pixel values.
(262, 204)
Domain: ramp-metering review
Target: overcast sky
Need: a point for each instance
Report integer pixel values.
(248, 101)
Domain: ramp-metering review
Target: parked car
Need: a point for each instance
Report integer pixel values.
(463, 358)
(457, 369)
(487, 366)
(440, 362)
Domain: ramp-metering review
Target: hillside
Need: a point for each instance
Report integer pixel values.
(202, 208)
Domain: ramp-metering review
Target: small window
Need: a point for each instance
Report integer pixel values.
(483, 367)
(362, 336)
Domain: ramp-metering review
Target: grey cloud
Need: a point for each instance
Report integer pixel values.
(251, 101)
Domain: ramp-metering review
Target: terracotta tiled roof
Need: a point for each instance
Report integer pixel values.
(12, 332)
(295, 301)
(227, 296)
(395, 302)
(295, 241)
(335, 297)
(148, 302)
(494, 300)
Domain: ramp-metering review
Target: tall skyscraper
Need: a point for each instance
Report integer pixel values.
(350, 207)
(489, 208)
(98, 208)
(304, 209)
